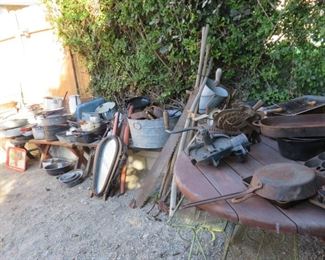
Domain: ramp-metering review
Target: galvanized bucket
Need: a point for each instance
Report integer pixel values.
(149, 134)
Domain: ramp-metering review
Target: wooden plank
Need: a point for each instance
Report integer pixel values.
(262, 153)
(255, 211)
(244, 169)
(58, 143)
(270, 142)
(153, 178)
(44, 148)
(45, 142)
(310, 219)
(267, 155)
(303, 218)
(194, 186)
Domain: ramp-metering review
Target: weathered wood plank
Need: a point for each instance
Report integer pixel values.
(254, 211)
(194, 185)
(153, 178)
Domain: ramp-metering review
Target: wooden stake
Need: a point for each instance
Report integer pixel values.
(154, 176)
(203, 48)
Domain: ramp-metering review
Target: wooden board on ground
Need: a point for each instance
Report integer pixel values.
(153, 178)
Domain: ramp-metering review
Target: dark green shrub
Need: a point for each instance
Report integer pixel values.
(151, 47)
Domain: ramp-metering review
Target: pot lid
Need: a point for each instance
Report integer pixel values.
(105, 107)
(12, 123)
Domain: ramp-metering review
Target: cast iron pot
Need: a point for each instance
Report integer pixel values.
(58, 168)
(301, 149)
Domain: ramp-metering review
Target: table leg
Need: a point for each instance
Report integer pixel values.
(44, 153)
(90, 163)
(295, 246)
(233, 228)
(80, 157)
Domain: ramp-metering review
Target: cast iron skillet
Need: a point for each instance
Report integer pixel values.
(280, 182)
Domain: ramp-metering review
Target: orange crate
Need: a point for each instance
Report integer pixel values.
(16, 159)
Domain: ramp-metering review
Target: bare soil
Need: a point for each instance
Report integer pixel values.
(41, 219)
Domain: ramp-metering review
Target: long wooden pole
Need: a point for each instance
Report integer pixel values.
(205, 31)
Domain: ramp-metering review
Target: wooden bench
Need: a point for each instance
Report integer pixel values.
(202, 182)
(78, 149)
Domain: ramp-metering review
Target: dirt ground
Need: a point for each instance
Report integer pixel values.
(41, 219)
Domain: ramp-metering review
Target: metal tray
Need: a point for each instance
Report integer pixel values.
(300, 105)
(312, 125)
(107, 158)
(12, 123)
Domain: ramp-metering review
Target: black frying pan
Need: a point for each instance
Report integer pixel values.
(281, 182)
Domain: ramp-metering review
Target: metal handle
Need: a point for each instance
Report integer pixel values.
(274, 110)
(258, 104)
(181, 131)
(166, 125)
(218, 76)
(236, 197)
(166, 119)
(257, 123)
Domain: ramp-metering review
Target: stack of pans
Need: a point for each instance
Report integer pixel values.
(71, 178)
(53, 122)
(300, 137)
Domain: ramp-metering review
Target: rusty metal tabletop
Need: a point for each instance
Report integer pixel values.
(203, 181)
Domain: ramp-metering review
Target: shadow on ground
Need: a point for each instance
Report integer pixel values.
(41, 219)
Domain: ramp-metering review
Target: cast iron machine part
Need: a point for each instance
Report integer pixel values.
(207, 147)
(214, 147)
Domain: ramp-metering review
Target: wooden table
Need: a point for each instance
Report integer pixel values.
(202, 182)
(78, 149)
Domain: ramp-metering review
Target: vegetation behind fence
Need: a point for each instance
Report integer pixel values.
(151, 47)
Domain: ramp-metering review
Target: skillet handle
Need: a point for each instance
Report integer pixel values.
(243, 198)
(249, 193)
(257, 123)
(236, 195)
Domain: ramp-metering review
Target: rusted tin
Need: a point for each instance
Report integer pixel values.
(299, 105)
(310, 125)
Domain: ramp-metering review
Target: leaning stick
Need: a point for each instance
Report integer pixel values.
(173, 194)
